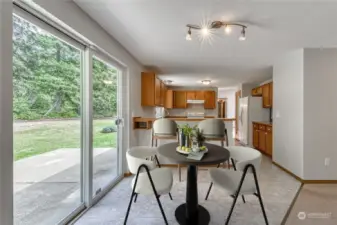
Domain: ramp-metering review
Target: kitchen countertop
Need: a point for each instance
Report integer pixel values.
(182, 118)
(264, 123)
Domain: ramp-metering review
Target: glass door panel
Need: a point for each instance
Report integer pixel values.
(105, 129)
(47, 125)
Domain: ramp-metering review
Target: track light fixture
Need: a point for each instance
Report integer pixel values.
(206, 30)
(189, 35)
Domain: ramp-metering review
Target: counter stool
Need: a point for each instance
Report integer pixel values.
(164, 129)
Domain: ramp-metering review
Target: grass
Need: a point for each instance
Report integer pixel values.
(53, 135)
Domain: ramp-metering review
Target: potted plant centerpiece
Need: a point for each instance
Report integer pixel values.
(187, 135)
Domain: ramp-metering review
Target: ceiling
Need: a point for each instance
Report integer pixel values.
(154, 33)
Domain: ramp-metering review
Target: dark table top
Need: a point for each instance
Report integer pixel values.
(215, 155)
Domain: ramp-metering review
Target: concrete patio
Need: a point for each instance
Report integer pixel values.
(47, 186)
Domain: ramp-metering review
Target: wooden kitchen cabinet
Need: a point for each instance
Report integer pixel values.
(199, 95)
(152, 90)
(162, 93)
(267, 95)
(179, 99)
(257, 91)
(190, 95)
(263, 138)
(168, 103)
(209, 100)
(148, 82)
(269, 142)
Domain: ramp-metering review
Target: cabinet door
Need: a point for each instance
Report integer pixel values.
(266, 96)
(256, 138)
(199, 95)
(271, 94)
(162, 93)
(168, 99)
(190, 95)
(209, 100)
(157, 92)
(269, 141)
(179, 99)
(148, 89)
(262, 140)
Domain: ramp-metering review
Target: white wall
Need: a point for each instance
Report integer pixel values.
(320, 113)
(72, 15)
(6, 120)
(230, 102)
(288, 112)
(246, 89)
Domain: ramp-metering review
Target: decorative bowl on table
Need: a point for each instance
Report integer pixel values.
(186, 151)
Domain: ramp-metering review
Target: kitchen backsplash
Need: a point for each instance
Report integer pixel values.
(194, 108)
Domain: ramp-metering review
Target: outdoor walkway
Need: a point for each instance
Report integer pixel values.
(47, 186)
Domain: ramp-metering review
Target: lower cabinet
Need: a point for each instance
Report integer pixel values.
(263, 138)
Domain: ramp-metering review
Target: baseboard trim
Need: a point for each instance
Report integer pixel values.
(319, 181)
(288, 172)
(305, 181)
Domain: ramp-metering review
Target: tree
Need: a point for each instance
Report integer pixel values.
(47, 77)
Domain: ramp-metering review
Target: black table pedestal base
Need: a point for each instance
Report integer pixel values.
(202, 218)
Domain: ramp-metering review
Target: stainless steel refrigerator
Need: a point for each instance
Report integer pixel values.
(250, 110)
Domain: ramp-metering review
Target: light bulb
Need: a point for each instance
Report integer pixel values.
(205, 31)
(243, 35)
(189, 35)
(228, 29)
(206, 82)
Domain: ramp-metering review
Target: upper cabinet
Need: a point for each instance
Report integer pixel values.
(195, 95)
(257, 91)
(153, 90)
(266, 91)
(267, 95)
(179, 99)
(168, 103)
(209, 97)
(199, 95)
(190, 95)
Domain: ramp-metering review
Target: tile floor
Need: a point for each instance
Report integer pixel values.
(316, 204)
(277, 187)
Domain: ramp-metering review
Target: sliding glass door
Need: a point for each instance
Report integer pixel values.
(67, 123)
(47, 125)
(106, 124)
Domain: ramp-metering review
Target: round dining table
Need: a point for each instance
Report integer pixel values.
(191, 213)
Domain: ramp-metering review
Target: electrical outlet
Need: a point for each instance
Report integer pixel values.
(327, 161)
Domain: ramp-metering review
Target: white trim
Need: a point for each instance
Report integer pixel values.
(87, 122)
(20, 12)
(6, 115)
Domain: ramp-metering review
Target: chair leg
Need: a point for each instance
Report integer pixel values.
(258, 194)
(222, 143)
(243, 198)
(232, 208)
(209, 190)
(170, 196)
(136, 195)
(179, 172)
(237, 191)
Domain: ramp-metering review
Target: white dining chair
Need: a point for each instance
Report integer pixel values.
(243, 179)
(165, 129)
(149, 179)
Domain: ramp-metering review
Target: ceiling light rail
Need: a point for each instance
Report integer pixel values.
(216, 25)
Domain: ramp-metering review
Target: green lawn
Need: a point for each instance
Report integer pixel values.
(59, 134)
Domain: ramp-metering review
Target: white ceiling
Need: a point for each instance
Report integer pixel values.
(153, 31)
